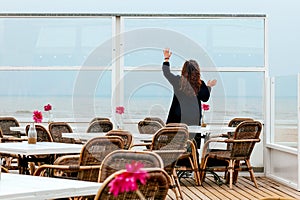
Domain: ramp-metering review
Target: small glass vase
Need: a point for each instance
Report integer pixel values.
(119, 121)
(50, 117)
(32, 134)
(203, 124)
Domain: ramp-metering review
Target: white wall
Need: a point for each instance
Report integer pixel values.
(283, 16)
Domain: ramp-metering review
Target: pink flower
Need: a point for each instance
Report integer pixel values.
(37, 116)
(47, 107)
(205, 106)
(120, 109)
(127, 181)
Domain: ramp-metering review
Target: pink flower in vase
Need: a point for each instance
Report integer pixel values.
(120, 110)
(48, 107)
(205, 107)
(128, 180)
(37, 116)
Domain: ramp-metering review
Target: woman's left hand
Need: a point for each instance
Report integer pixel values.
(211, 83)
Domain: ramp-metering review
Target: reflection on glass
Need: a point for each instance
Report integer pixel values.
(285, 125)
(227, 42)
(51, 41)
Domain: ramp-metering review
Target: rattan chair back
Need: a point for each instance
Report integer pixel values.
(157, 186)
(149, 126)
(118, 159)
(157, 119)
(99, 126)
(236, 121)
(6, 123)
(124, 134)
(99, 118)
(57, 128)
(93, 153)
(170, 138)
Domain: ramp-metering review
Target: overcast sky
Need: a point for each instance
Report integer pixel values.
(282, 18)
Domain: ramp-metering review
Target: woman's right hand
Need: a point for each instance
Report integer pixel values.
(167, 53)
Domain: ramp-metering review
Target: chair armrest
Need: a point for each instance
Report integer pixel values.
(140, 145)
(12, 139)
(74, 168)
(67, 160)
(205, 147)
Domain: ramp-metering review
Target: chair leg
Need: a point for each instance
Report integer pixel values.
(202, 170)
(195, 170)
(178, 191)
(230, 169)
(236, 172)
(251, 172)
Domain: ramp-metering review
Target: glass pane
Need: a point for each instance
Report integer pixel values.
(226, 42)
(51, 41)
(22, 92)
(235, 95)
(285, 125)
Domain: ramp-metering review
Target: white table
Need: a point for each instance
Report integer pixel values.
(86, 136)
(24, 150)
(200, 133)
(213, 129)
(16, 187)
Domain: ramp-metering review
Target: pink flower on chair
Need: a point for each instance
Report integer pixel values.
(37, 116)
(48, 107)
(127, 181)
(120, 110)
(205, 106)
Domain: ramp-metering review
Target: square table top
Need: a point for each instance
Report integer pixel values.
(17, 186)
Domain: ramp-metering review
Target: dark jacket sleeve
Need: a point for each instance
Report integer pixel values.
(204, 92)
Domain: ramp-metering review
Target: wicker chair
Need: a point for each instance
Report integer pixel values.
(125, 135)
(149, 126)
(159, 120)
(90, 159)
(57, 128)
(6, 123)
(170, 139)
(243, 141)
(157, 186)
(9, 159)
(118, 159)
(100, 126)
(214, 162)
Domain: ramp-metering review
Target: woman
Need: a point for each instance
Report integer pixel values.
(189, 91)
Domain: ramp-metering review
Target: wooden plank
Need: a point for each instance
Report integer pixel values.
(230, 193)
(195, 189)
(244, 189)
(280, 189)
(261, 190)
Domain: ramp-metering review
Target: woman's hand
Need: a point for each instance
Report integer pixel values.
(211, 83)
(167, 54)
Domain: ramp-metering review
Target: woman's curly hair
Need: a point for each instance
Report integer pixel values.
(190, 81)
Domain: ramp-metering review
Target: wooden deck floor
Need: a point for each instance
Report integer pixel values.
(244, 189)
